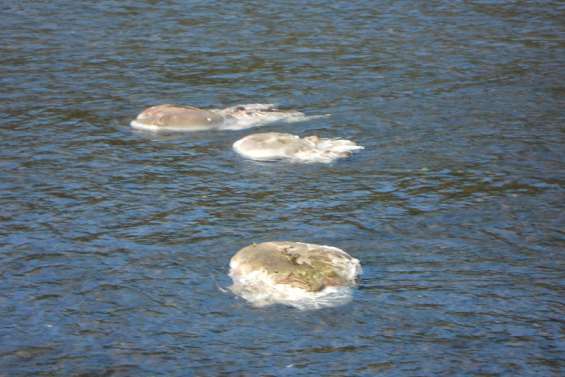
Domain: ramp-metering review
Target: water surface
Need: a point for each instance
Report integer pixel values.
(114, 243)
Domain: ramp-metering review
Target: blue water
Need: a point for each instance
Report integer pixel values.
(115, 244)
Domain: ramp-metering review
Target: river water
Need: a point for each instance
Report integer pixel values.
(115, 244)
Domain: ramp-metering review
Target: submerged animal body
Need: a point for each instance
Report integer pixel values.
(187, 118)
(306, 276)
(178, 118)
(276, 146)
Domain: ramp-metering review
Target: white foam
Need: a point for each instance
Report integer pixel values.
(155, 128)
(259, 114)
(143, 126)
(260, 290)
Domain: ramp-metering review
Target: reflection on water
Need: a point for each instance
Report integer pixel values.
(114, 244)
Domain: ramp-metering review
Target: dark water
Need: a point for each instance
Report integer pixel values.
(114, 243)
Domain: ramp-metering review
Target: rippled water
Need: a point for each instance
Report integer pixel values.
(114, 244)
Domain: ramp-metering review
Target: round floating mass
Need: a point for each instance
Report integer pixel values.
(177, 118)
(306, 276)
(277, 146)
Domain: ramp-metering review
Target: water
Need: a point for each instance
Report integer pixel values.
(115, 244)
